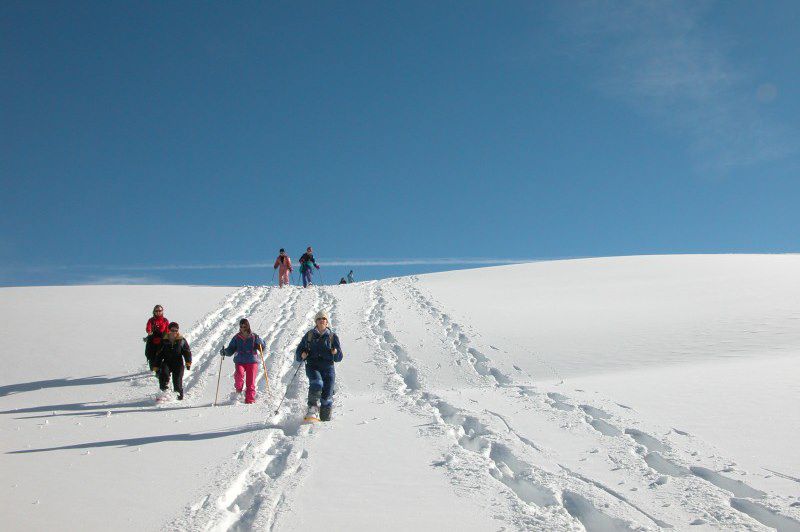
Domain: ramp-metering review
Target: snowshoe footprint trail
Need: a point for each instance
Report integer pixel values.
(250, 492)
(709, 502)
(472, 441)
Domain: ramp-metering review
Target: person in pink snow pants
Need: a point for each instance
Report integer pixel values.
(245, 347)
(284, 266)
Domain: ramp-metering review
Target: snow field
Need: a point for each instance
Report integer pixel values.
(498, 398)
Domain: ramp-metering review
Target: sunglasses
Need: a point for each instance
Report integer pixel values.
(322, 319)
(173, 330)
(243, 326)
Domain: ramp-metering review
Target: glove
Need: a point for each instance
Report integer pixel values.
(222, 352)
(188, 365)
(316, 266)
(145, 339)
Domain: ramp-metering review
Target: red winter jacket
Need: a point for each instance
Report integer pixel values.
(156, 328)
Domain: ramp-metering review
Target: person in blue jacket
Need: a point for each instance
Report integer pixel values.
(246, 345)
(320, 348)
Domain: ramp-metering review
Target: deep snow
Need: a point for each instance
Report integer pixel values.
(609, 394)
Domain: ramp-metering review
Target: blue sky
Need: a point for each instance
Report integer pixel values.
(185, 142)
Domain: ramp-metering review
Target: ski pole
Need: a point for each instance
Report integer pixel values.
(219, 375)
(287, 386)
(273, 276)
(264, 365)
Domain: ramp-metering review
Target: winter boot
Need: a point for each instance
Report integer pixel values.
(180, 395)
(325, 413)
(314, 397)
(312, 414)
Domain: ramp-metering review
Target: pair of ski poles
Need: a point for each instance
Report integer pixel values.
(219, 376)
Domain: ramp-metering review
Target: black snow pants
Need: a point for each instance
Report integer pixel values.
(150, 350)
(173, 366)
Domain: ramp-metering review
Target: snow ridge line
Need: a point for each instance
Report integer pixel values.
(252, 494)
(476, 449)
(289, 446)
(213, 330)
(231, 490)
(267, 518)
(274, 336)
(595, 418)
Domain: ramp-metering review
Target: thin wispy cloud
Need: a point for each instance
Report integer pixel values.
(663, 59)
(127, 278)
(120, 279)
(334, 262)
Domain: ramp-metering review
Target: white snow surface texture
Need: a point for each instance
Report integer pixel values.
(632, 393)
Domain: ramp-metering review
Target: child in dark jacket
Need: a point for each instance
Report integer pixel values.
(173, 352)
(246, 345)
(320, 349)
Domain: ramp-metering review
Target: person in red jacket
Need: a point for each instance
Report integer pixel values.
(156, 329)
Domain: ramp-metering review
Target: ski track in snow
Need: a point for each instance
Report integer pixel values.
(711, 499)
(253, 488)
(527, 485)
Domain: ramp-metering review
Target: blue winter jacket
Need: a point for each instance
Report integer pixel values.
(319, 346)
(245, 348)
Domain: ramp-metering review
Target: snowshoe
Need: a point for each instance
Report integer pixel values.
(312, 415)
(163, 397)
(325, 413)
(236, 397)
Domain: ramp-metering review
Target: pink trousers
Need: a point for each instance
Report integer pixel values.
(283, 278)
(246, 372)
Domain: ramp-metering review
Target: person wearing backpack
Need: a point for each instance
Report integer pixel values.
(306, 261)
(170, 359)
(284, 266)
(320, 349)
(156, 327)
(248, 347)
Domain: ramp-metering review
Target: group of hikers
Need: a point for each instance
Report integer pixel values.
(307, 266)
(168, 353)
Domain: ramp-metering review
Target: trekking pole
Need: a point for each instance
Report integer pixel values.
(273, 276)
(264, 365)
(216, 396)
(287, 386)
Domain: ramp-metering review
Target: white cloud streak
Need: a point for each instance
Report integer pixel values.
(663, 59)
(334, 262)
(127, 278)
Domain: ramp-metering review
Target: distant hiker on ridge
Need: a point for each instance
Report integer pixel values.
(156, 328)
(305, 266)
(246, 345)
(170, 360)
(320, 348)
(284, 266)
(350, 278)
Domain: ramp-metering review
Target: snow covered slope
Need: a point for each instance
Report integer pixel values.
(632, 393)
